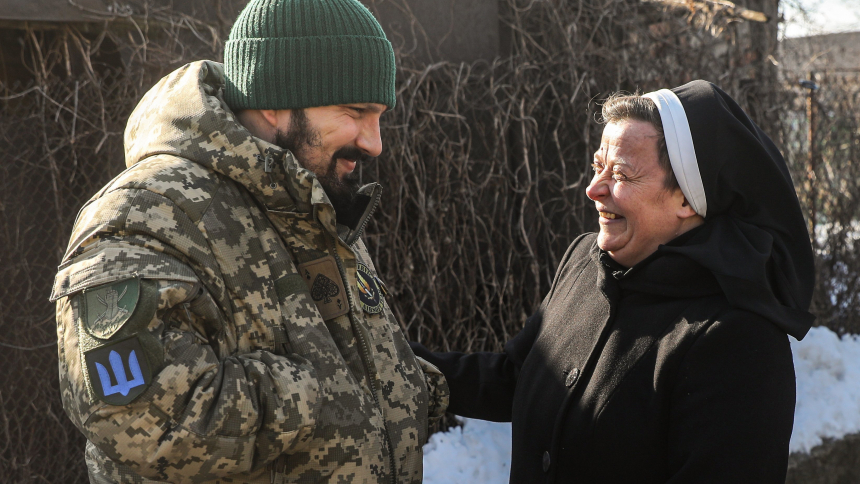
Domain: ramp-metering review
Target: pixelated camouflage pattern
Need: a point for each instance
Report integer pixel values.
(248, 385)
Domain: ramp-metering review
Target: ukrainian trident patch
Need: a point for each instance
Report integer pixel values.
(368, 291)
(118, 371)
(109, 306)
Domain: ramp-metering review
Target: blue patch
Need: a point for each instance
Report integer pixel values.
(122, 384)
(119, 372)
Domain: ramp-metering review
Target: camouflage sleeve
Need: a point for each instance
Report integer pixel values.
(191, 411)
(438, 389)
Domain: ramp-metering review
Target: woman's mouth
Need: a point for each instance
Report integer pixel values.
(609, 215)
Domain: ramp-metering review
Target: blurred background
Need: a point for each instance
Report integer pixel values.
(485, 163)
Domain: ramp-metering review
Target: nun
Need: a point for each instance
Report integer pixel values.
(661, 353)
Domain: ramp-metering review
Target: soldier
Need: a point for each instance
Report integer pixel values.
(219, 317)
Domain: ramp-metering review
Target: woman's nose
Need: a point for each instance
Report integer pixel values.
(597, 189)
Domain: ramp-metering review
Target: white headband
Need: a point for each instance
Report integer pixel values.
(679, 143)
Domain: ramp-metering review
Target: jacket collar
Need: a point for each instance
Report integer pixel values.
(662, 274)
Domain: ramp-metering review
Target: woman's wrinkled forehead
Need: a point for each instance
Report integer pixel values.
(625, 143)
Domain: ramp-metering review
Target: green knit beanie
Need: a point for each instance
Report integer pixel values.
(292, 54)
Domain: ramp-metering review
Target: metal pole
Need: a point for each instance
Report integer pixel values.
(812, 159)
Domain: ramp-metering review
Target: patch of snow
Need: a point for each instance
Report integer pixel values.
(828, 405)
(828, 387)
(478, 452)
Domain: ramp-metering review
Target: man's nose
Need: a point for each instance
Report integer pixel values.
(369, 139)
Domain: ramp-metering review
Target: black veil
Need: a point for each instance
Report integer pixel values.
(754, 240)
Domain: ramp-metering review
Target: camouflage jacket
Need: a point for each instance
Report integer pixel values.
(216, 324)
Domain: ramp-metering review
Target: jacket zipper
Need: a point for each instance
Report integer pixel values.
(375, 196)
(361, 336)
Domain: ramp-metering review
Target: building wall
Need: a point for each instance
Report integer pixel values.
(831, 52)
(431, 31)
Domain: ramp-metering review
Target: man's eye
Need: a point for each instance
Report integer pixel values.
(597, 167)
(618, 176)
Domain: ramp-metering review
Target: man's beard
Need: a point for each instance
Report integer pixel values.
(300, 139)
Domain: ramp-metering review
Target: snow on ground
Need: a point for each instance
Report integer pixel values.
(478, 452)
(828, 405)
(828, 387)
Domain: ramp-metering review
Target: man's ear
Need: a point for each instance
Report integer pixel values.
(270, 116)
(262, 123)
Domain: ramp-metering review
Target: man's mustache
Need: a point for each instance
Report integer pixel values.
(352, 153)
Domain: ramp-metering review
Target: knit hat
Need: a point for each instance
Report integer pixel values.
(292, 54)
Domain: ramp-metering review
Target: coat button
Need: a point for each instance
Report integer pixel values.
(546, 461)
(572, 375)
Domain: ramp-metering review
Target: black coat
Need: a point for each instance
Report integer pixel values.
(644, 375)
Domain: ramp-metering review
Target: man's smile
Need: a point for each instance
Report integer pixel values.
(347, 164)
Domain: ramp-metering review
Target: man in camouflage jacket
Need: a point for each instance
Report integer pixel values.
(217, 321)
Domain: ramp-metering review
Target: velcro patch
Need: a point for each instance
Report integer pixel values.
(369, 293)
(326, 286)
(109, 306)
(119, 371)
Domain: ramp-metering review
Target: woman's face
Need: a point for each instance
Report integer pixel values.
(637, 212)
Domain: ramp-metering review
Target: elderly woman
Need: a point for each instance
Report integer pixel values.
(661, 352)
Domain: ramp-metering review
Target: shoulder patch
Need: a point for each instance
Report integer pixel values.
(326, 286)
(369, 291)
(118, 371)
(109, 306)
